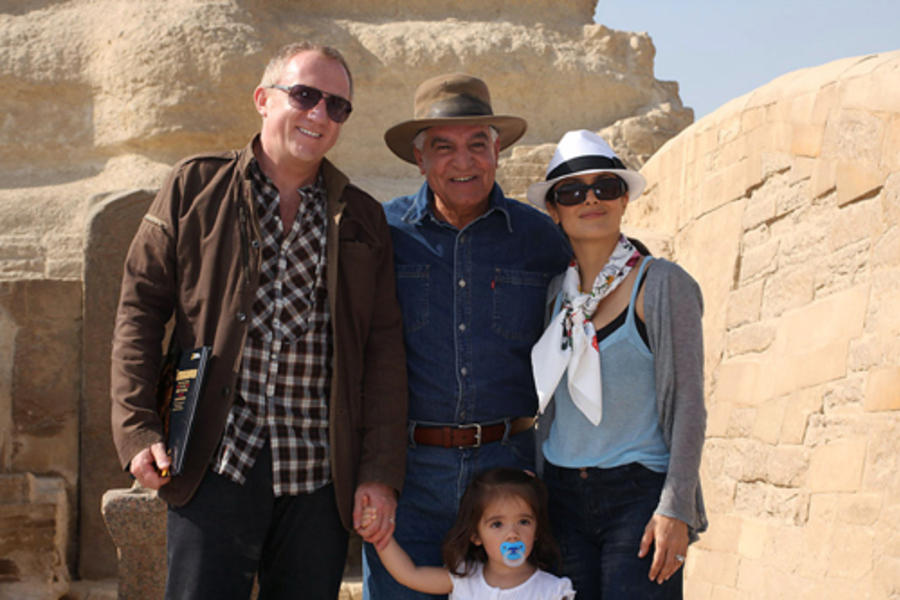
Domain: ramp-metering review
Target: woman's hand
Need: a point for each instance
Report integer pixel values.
(669, 537)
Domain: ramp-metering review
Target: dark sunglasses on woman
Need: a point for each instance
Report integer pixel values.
(604, 188)
(305, 97)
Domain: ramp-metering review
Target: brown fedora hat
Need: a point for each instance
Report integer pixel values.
(455, 99)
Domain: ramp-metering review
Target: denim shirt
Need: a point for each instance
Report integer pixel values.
(473, 305)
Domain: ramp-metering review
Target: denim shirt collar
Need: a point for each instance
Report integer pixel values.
(421, 207)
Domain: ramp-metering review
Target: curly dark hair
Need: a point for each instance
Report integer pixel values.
(458, 551)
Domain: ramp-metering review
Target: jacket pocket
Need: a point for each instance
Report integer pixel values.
(518, 304)
(412, 291)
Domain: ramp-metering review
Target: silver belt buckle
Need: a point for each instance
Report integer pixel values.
(477, 427)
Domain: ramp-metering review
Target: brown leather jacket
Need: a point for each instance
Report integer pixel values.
(196, 254)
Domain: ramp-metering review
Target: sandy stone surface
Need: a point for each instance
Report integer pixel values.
(785, 205)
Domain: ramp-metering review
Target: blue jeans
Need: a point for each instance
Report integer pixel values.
(435, 481)
(228, 532)
(598, 517)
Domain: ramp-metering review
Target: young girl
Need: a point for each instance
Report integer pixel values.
(498, 546)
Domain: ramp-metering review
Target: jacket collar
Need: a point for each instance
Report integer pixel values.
(421, 206)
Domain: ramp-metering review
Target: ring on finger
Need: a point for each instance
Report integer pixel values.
(679, 557)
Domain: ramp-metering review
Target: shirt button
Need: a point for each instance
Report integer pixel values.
(462, 239)
(255, 243)
(462, 326)
(462, 283)
(241, 317)
(462, 414)
(464, 371)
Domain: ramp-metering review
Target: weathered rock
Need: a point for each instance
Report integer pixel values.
(797, 186)
(111, 92)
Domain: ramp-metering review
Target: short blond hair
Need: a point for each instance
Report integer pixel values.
(277, 63)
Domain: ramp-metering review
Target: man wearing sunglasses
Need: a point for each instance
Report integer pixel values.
(472, 273)
(271, 257)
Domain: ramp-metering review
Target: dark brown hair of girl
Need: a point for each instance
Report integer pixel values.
(460, 554)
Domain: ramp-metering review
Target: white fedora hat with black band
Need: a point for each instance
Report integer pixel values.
(454, 99)
(583, 152)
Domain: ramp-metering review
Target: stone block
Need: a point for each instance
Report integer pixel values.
(34, 531)
(724, 537)
(718, 415)
(741, 381)
(753, 117)
(844, 269)
(852, 552)
(787, 466)
(718, 568)
(844, 396)
(744, 304)
(752, 338)
(136, 520)
(788, 288)
(109, 230)
(842, 312)
(838, 466)
(824, 179)
(886, 577)
(816, 551)
(795, 369)
(869, 351)
(882, 470)
(855, 222)
(696, 589)
(807, 139)
(861, 509)
(882, 316)
(883, 389)
(886, 251)
(854, 135)
(753, 538)
(759, 208)
(890, 153)
(759, 262)
(740, 424)
(786, 506)
(769, 420)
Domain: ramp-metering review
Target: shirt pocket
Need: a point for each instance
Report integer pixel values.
(518, 304)
(412, 292)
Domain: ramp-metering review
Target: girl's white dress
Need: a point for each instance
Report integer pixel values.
(540, 586)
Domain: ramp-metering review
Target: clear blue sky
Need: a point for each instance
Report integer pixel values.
(719, 50)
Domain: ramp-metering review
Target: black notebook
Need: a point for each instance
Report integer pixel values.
(181, 384)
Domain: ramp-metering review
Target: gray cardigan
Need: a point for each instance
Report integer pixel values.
(673, 307)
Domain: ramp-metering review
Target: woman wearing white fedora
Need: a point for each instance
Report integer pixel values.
(622, 361)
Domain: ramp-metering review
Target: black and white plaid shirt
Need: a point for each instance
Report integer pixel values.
(285, 374)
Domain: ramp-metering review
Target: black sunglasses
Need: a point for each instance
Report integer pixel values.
(305, 97)
(604, 188)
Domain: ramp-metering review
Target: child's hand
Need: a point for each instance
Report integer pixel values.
(367, 518)
(370, 513)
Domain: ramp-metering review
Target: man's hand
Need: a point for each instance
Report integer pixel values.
(670, 538)
(379, 501)
(148, 465)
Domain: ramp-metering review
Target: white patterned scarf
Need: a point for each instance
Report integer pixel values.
(569, 344)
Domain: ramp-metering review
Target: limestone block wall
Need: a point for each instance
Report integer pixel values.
(785, 205)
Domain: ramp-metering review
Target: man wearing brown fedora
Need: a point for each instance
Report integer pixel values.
(472, 271)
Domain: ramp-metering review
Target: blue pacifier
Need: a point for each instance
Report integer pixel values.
(513, 553)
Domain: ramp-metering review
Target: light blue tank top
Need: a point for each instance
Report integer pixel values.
(629, 430)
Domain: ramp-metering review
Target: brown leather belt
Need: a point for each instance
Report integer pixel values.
(469, 435)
